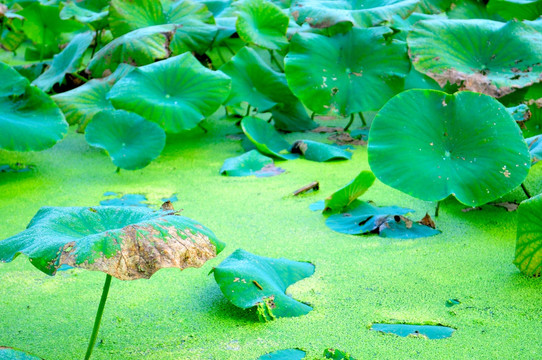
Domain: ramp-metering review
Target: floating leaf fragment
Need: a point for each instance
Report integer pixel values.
(288, 354)
(250, 163)
(316, 151)
(350, 192)
(406, 330)
(125, 200)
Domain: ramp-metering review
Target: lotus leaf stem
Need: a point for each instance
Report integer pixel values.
(437, 208)
(350, 122)
(274, 59)
(229, 48)
(362, 118)
(98, 318)
(527, 193)
(248, 110)
(80, 77)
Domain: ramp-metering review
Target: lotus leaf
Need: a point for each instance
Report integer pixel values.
(361, 13)
(316, 151)
(516, 9)
(404, 330)
(482, 55)
(125, 200)
(347, 73)
(139, 47)
(68, 61)
(529, 237)
(535, 148)
(250, 163)
(519, 113)
(400, 227)
(176, 93)
(124, 242)
(7, 353)
(131, 141)
(336, 354)
(266, 139)
(466, 145)
(262, 23)
(86, 13)
(288, 354)
(29, 119)
(350, 192)
(470, 9)
(249, 280)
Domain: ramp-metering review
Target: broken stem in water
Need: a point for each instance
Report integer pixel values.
(527, 193)
(350, 122)
(98, 318)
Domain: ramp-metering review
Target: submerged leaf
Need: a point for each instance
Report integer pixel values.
(350, 192)
(289, 354)
(125, 200)
(315, 151)
(125, 242)
(404, 330)
(266, 139)
(529, 237)
(7, 353)
(250, 163)
(249, 280)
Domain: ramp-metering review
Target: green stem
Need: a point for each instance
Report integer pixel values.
(527, 193)
(96, 42)
(202, 128)
(98, 319)
(350, 122)
(226, 111)
(362, 118)
(229, 48)
(42, 47)
(118, 170)
(437, 208)
(80, 77)
(220, 55)
(274, 59)
(270, 119)
(313, 115)
(248, 110)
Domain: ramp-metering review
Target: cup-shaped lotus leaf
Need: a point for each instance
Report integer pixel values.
(266, 139)
(176, 93)
(125, 242)
(350, 192)
(347, 73)
(362, 13)
(131, 141)
(262, 23)
(29, 119)
(529, 237)
(430, 145)
(249, 280)
(484, 56)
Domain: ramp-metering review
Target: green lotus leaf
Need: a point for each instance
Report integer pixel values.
(93, 14)
(262, 87)
(44, 26)
(516, 9)
(79, 105)
(29, 120)
(249, 280)
(195, 24)
(482, 55)
(466, 145)
(400, 227)
(176, 93)
(125, 200)
(361, 13)
(470, 9)
(343, 197)
(336, 354)
(535, 148)
(68, 61)
(288, 354)
(347, 73)
(519, 113)
(33, 70)
(403, 26)
(529, 237)
(417, 80)
(7, 353)
(363, 218)
(250, 163)
(131, 141)
(125, 242)
(266, 139)
(139, 47)
(316, 151)
(262, 23)
(406, 330)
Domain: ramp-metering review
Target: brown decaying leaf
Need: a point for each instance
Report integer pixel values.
(167, 206)
(465, 210)
(471, 82)
(327, 129)
(427, 221)
(346, 139)
(146, 249)
(509, 206)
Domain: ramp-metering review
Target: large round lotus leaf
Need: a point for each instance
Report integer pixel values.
(68, 61)
(262, 23)
(485, 56)
(529, 237)
(430, 145)
(266, 139)
(131, 141)
(249, 280)
(516, 9)
(347, 73)
(125, 242)
(262, 87)
(29, 119)
(176, 93)
(139, 47)
(362, 13)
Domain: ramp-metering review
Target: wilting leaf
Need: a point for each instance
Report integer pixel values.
(131, 141)
(125, 200)
(350, 192)
(324, 14)
(404, 330)
(7, 353)
(519, 113)
(482, 55)
(337, 355)
(249, 280)
(529, 237)
(516, 9)
(262, 23)
(125, 242)
(250, 163)
(346, 73)
(176, 93)
(29, 119)
(266, 139)
(535, 148)
(68, 61)
(289, 354)
(445, 147)
(315, 151)
(400, 227)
